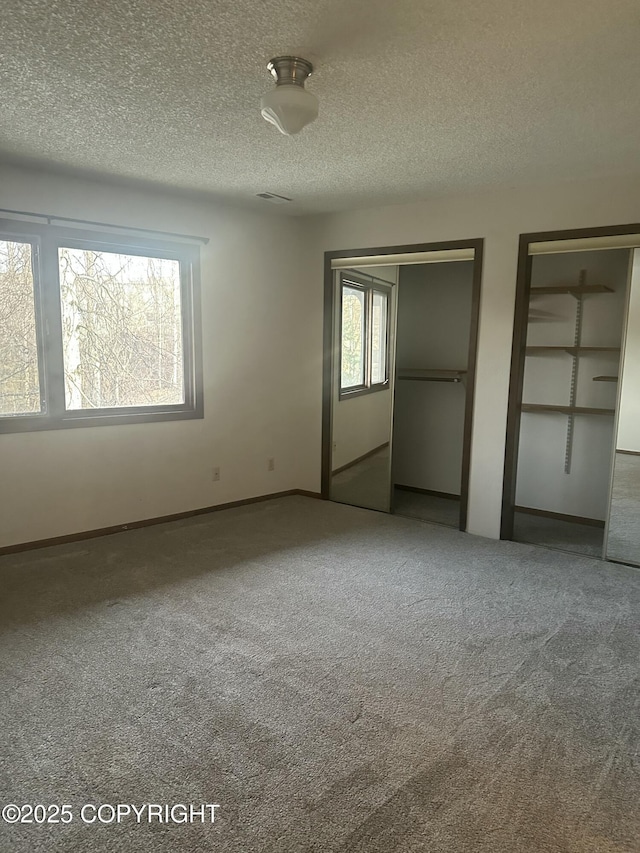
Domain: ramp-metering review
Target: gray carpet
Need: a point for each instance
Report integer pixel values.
(338, 680)
(559, 534)
(430, 508)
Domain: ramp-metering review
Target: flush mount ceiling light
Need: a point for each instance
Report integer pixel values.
(289, 106)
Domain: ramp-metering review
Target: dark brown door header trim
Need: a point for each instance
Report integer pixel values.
(580, 233)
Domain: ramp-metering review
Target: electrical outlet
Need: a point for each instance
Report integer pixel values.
(271, 464)
(215, 474)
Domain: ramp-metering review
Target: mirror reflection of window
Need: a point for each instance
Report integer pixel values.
(362, 399)
(379, 326)
(353, 337)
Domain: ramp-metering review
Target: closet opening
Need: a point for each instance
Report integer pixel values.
(571, 323)
(435, 302)
(399, 368)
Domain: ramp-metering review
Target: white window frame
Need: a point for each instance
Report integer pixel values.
(45, 242)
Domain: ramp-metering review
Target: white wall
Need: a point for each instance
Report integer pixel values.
(434, 320)
(254, 334)
(263, 380)
(541, 481)
(498, 216)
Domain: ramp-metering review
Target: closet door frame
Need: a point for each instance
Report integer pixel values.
(477, 244)
(519, 343)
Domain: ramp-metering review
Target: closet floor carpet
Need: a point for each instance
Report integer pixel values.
(554, 533)
(431, 508)
(337, 680)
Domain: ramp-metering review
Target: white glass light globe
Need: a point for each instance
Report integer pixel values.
(289, 107)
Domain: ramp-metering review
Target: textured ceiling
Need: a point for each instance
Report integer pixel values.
(416, 98)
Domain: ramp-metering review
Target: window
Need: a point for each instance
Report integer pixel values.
(19, 375)
(364, 336)
(95, 329)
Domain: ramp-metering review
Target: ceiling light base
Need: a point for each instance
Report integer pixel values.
(290, 70)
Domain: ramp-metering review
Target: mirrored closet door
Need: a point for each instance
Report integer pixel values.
(362, 386)
(623, 527)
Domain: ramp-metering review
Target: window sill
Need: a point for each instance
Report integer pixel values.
(359, 392)
(40, 423)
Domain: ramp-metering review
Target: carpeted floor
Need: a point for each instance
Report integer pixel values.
(338, 680)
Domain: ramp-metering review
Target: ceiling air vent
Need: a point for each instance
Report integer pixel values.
(273, 198)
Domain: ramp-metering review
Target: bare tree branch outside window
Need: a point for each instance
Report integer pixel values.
(352, 368)
(121, 329)
(19, 379)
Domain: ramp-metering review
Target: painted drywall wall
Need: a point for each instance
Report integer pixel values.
(541, 481)
(499, 216)
(360, 424)
(264, 381)
(434, 320)
(253, 321)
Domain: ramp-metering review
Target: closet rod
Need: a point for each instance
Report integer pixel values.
(430, 378)
(431, 374)
(50, 216)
